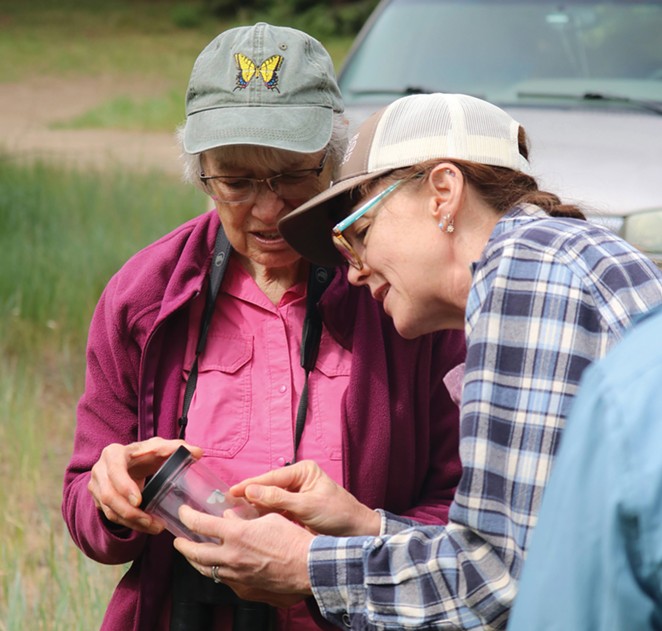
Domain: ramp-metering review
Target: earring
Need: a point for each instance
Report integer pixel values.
(447, 223)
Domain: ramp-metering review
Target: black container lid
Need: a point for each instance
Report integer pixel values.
(172, 464)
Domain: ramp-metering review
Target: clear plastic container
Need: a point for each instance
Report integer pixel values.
(184, 480)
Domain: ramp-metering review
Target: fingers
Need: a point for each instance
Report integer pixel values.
(134, 519)
(269, 553)
(301, 492)
(158, 447)
(292, 478)
(144, 458)
(209, 525)
(283, 477)
(117, 509)
(114, 492)
(271, 497)
(202, 556)
(117, 479)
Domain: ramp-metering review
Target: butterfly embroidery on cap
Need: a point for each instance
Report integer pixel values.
(267, 70)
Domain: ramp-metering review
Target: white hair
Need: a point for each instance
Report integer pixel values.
(260, 156)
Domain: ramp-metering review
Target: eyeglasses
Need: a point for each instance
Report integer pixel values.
(341, 242)
(300, 184)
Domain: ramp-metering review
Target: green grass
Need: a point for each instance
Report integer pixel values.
(62, 234)
(124, 38)
(125, 41)
(158, 113)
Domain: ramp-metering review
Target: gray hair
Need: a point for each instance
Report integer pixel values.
(263, 156)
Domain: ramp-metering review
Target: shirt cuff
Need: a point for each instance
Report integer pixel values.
(335, 567)
(393, 524)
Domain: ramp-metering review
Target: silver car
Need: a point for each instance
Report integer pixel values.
(583, 77)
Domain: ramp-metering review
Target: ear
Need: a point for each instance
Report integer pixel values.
(447, 184)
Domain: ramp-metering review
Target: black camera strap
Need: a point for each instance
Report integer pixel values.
(222, 249)
(318, 280)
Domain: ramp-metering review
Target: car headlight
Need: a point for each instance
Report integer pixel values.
(644, 231)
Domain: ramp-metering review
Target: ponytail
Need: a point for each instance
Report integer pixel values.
(503, 188)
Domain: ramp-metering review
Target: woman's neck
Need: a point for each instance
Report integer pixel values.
(274, 282)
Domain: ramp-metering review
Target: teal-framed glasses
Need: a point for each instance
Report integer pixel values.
(341, 242)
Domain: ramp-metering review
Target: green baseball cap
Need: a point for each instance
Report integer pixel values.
(265, 85)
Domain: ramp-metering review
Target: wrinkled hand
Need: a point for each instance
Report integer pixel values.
(118, 477)
(263, 559)
(304, 493)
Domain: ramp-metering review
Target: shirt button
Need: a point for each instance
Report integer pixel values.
(282, 389)
(280, 461)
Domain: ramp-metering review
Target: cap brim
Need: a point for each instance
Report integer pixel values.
(305, 129)
(308, 228)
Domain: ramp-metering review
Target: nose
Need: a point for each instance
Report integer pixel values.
(267, 206)
(358, 277)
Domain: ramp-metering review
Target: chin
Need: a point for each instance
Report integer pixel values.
(277, 259)
(407, 329)
(411, 325)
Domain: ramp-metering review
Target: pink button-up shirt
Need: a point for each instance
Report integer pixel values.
(243, 412)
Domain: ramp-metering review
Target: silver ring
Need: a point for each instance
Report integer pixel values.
(214, 574)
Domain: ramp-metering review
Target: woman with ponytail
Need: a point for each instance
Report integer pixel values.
(437, 214)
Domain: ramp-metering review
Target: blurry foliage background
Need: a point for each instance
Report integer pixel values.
(147, 40)
(55, 35)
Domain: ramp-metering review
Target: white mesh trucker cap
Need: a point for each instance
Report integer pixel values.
(411, 130)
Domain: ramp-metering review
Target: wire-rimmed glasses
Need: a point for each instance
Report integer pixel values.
(299, 184)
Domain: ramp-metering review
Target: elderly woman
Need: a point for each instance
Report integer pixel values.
(199, 336)
(436, 213)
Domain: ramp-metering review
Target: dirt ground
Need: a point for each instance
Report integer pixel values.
(29, 107)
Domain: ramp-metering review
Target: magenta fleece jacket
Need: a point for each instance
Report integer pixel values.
(400, 427)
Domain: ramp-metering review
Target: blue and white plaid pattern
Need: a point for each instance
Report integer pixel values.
(548, 297)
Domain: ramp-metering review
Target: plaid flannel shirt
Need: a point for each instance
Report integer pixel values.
(548, 297)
